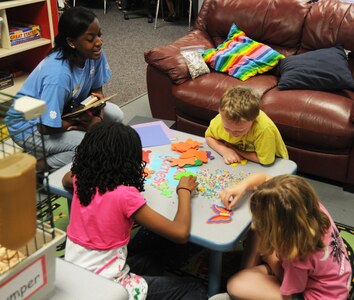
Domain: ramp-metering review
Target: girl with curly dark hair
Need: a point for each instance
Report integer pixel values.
(107, 177)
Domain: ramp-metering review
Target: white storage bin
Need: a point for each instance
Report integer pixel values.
(33, 278)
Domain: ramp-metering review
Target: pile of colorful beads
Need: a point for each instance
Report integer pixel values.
(211, 183)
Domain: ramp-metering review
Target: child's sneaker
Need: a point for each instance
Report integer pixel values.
(222, 296)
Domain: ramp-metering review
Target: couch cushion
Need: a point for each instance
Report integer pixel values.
(319, 121)
(323, 69)
(169, 60)
(328, 23)
(199, 99)
(241, 57)
(261, 20)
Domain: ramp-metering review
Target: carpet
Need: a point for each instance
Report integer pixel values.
(124, 43)
(198, 265)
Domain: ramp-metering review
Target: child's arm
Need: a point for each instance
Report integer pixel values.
(231, 195)
(178, 229)
(228, 153)
(273, 262)
(252, 156)
(68, 182)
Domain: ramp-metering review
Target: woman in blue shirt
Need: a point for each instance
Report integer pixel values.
(75, 68)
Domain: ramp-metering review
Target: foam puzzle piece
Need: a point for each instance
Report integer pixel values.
(210, 155)
(189, 153)
(146, 156)
(222, 215)
(182, 162)
(167, 193)
(243, 161)
(184, 146)
(197, 163)
(148, 172)
(181, 174)
(165, 189)
(198, 154)
(202, 156)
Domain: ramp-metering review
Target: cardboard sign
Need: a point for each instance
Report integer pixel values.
(26, 282)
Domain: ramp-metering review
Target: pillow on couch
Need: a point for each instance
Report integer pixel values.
(241, 57)
(323, 69)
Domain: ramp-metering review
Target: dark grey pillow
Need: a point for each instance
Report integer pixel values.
(324, 70)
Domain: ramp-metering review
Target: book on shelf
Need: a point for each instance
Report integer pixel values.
(87, 104)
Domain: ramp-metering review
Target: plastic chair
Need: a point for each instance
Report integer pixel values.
(104, 5)
(157, 13)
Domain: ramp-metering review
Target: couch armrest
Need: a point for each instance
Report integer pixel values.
(169, 60)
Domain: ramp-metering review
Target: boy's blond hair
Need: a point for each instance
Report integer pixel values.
(238, 104)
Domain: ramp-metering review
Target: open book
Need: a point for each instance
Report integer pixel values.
(89, 103)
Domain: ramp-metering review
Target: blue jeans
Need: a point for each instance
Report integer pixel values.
(60, 147)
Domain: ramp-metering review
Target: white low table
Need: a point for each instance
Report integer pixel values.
(215, 237)
(218, 238)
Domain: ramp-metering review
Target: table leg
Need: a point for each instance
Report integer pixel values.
(215, 264)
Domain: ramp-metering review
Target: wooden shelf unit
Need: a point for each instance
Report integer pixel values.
(26, 56)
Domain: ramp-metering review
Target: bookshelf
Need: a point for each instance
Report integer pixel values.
(26, 56)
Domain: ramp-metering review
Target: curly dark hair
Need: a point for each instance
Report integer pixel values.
(109, 155)
(73, 23)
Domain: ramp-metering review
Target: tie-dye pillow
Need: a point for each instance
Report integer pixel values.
(241, 57)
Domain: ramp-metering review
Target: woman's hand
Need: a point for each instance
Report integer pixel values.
(98, 111)
(97, 94)
(81, 122)
(85, 120)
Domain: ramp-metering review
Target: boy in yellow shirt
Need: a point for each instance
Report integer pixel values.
(242, 131)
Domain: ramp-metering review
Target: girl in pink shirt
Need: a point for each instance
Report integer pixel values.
(296, 251)
(107, 177)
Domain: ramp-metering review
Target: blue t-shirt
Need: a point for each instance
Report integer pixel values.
(54, 82)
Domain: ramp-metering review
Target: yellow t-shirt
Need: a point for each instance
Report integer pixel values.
(263, 138)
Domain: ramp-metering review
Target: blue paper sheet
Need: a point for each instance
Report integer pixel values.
(152, 136)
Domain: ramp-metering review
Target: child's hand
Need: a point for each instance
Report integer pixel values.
(230, 196)
(230, 156)
(188, 182)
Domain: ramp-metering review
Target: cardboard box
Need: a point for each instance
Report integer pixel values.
(21, 33)
(33, 278)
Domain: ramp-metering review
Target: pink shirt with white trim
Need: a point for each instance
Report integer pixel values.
(325, 274)
(106, 222)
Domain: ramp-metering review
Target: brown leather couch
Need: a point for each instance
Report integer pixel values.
(317, 126)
